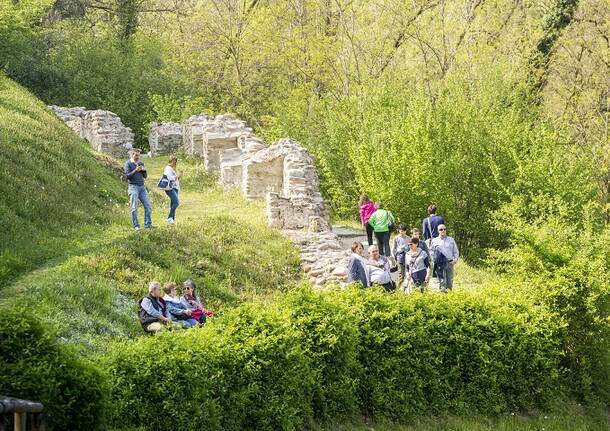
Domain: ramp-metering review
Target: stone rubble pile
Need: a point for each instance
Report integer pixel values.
(103, 129)
(165, 137)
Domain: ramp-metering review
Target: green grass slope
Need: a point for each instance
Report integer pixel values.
(221, 241)
(50, 183)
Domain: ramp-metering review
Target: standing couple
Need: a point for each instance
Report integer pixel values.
(136, 174)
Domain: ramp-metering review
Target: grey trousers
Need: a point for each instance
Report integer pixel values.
(445, 278)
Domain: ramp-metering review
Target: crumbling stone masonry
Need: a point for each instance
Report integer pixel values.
(103, 129)
(165, 138)
(284, 175)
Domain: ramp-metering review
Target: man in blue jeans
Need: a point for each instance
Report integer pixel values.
(136, 174)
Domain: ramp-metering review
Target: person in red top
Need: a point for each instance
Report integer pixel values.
(367, 208)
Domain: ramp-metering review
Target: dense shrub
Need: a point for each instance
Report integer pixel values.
(467, 150)
(35, 366)
(565, 267)
(332, 355)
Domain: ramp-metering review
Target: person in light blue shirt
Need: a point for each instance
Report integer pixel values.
(448, 248)
(180, 313)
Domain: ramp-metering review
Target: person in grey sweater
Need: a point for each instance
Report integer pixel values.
(400, 247)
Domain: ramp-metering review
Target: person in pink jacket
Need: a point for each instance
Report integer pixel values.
(367, 208)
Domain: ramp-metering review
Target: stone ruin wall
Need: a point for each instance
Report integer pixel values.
(102, 129)
(284, 175)
(165, 138)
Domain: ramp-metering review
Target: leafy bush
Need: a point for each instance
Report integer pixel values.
(36, 367)
(565, 266)
(331, 355)
(468, 150)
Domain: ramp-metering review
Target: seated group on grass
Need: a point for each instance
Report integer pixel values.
(186, 311)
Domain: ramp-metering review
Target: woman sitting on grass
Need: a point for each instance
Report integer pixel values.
(176, 309)
(190, 300)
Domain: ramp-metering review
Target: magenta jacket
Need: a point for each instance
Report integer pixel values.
(366, 211)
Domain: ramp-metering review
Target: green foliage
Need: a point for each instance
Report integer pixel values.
(50, 181)
(565, 267)
(21, 35)
(327, 356)
(98, 72)
(468, 151)
(37, 367)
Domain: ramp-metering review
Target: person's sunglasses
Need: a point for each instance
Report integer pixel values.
(442, 229)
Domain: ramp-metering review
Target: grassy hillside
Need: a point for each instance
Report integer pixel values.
(220, 240)
(50, 183)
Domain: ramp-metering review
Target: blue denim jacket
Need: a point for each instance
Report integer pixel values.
(175, 309)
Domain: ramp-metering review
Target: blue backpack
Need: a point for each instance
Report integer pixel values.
(440, 260)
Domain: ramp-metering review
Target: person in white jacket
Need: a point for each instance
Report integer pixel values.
(174, 177)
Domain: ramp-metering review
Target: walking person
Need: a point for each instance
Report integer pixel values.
(400, 249)
(379, 268)
(418, 267)
(380, 222)
(356, 267)
(174, 179)
(446, 250)
(366, 209)
(430, 224)
(136, 174)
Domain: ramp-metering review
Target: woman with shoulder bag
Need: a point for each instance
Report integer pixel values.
(173, 188)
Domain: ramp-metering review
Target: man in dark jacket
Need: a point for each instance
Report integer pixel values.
(356, 267)
(153, 310)
(430, 224)
(135, 172)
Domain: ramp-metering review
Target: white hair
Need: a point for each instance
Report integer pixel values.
(153, 285)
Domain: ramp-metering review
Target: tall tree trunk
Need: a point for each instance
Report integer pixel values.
(557, 16)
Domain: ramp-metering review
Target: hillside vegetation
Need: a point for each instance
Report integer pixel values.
(54, 188)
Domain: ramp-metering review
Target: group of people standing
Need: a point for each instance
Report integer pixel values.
(136, 174)
(170, 310)
(415, 259)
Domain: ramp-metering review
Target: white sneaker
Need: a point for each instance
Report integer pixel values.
(136, 228)
(171, 221)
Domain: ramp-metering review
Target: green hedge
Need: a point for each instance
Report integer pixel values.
(34, 366)
(321, 357)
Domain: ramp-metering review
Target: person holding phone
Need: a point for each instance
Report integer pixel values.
(174, 178)
(135, 172)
